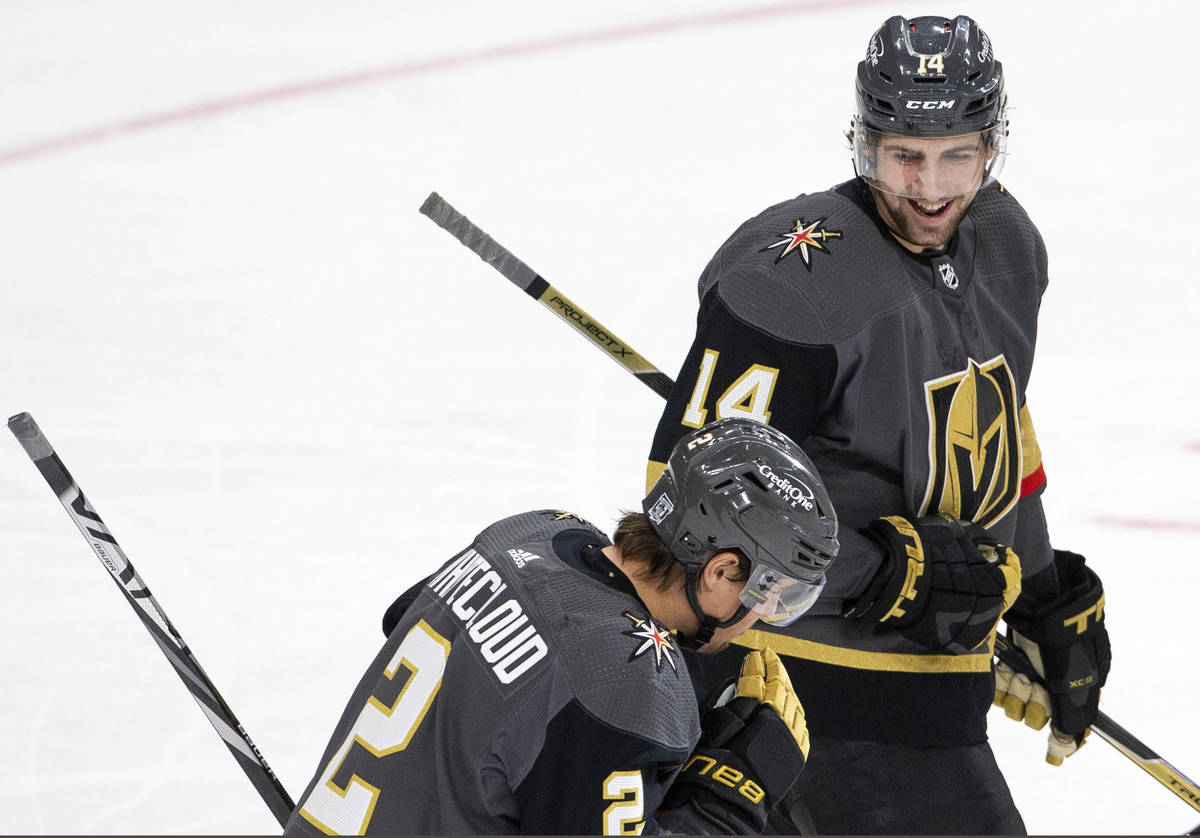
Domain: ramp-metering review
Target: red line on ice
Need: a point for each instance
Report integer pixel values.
(1148, 523)
(215, 107)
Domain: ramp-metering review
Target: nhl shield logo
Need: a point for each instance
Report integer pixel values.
(949, 277)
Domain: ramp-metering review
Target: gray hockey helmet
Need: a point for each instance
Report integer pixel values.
(739, 485)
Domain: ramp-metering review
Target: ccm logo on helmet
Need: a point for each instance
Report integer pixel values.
(929, 104)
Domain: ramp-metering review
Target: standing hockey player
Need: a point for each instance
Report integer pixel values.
(532, 684)
(888, 325)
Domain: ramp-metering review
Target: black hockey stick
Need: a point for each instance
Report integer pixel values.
(1112, 733)
(524, 277)
(152, 616)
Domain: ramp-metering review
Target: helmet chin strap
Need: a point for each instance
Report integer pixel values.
(708, 624)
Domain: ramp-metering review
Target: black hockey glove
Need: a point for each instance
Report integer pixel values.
(943, 583)
(1067, 644)
(751, 750)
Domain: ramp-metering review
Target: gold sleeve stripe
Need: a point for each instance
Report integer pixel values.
(977, 661)
(1031, 454)
(654, 470)
(1032, 473)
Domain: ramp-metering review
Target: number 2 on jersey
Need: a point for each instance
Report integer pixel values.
(381, 730)
(748, 397)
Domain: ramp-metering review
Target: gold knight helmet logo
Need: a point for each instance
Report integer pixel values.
(974, 443)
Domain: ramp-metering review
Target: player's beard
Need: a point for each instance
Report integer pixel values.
(915, 230)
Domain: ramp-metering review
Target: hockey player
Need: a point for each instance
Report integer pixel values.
(888, 325)
(532, 683)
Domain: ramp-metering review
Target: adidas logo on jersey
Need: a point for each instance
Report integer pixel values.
(520, 557)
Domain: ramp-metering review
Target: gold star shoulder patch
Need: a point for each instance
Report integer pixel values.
(804, 238)
(653, 638)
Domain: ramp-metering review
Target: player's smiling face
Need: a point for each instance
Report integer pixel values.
(923, 186)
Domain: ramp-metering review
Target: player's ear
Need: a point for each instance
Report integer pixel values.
(723, 568)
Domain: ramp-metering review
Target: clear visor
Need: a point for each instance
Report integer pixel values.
(778, 599)
(928, 169)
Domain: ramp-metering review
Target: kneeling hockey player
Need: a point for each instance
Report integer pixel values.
(533, 684)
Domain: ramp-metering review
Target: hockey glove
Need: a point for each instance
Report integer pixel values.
(751, 750)
(943, 583)
(1067, 644)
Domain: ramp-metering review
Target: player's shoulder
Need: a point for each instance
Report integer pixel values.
(1004, 227)
(622, 666)
(627, 670)
(531, 526)
(790, 270)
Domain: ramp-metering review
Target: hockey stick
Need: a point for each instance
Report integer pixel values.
(525, 278)
(1112, 733)
(152, 616)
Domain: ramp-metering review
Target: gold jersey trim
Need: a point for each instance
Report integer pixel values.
(654, 470)
(1031, 452)
(977, 661)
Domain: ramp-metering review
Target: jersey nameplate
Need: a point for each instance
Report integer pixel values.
(499, 628)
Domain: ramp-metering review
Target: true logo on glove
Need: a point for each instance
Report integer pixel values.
(916, 565)
(1080, 620)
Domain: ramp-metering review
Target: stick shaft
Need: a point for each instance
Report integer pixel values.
(524, 277)
(1112, 733)
(138, 595)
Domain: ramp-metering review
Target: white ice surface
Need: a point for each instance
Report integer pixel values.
(287, 392)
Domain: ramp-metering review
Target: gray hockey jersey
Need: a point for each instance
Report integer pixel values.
(903, 376)
(525, 689)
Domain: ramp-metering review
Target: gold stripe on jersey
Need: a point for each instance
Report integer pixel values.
(654, 470)
(1031, 453)
(977, 661)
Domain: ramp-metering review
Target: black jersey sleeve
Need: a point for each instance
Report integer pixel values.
(594, 778)
(734, 368)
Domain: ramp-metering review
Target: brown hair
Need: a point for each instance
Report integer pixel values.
(640, 544)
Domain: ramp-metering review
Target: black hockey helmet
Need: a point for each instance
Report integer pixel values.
(929, 77)
(739, 485)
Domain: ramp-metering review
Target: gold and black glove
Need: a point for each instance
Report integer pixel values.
(1067, 645)
(943, 583)
(751, 750)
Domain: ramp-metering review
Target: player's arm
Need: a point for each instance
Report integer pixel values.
(1058, 622)
(734, 368)
(592, 777)
(395, 611)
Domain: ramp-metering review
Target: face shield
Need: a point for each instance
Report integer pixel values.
(928, 169)
(778, 599)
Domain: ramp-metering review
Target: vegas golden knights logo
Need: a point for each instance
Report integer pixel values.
(974, 443)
